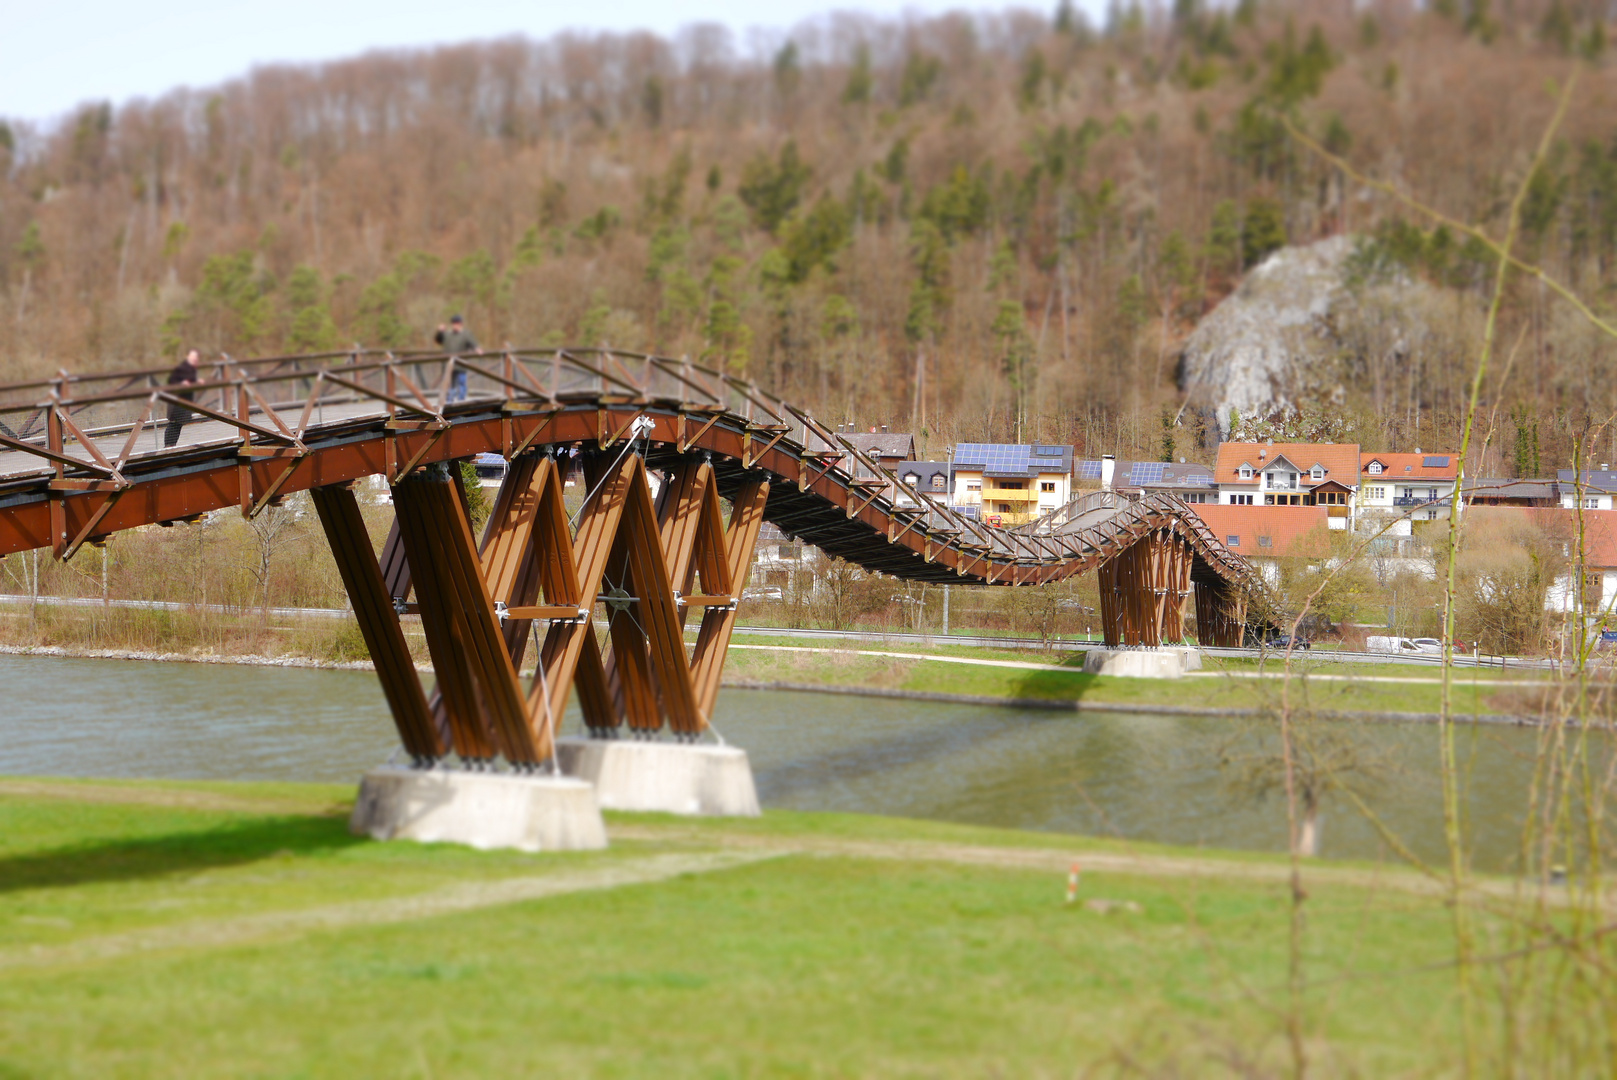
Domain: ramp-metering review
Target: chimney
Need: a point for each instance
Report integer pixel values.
(1604, 467)
(884, 429)
(1417, 450)
(1108, 466)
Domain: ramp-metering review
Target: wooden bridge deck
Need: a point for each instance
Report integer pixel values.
(352, 415)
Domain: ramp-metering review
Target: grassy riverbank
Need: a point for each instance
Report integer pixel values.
(161, 929)
(1318, 682)
(1223, 684)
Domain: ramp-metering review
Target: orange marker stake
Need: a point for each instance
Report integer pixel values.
(1072, 884)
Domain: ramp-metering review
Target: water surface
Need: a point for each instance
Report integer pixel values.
(1174, 779)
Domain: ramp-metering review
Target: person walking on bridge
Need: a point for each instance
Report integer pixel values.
(457, 341)
(180, 380)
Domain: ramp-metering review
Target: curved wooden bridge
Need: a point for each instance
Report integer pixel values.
(660, 441)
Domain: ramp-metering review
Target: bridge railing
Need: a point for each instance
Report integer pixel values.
(95, 424)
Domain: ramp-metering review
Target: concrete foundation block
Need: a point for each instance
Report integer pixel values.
(677, 778)
(482, 810)
(1170, 662)
(1192, 655)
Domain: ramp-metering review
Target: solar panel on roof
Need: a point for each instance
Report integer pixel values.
(1089, 470)
(1435, 462)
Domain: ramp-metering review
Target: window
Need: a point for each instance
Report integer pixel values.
(1375, 492)
(1195, 496)
(1374, 469)
(1240, 500)
(974, 485)
(1232, 541)
(1047, 485)
(1431, 515)
(1008, 485)
(1317, 473)
(1266, 541)
(937, 482)
(1246, 472)
(1591, 504)
(912, 479)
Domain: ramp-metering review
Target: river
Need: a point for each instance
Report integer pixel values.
(1173, 779)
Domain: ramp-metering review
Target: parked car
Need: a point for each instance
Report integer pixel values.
(1402, 645)
(1075, 605)
(1271, 640)
(763, 592)
(1606, 640)
(1285, 641)
(1435, 645)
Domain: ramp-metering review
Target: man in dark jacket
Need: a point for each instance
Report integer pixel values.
(180, 380)
(456, 341)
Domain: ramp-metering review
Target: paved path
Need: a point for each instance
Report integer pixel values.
(284, 925)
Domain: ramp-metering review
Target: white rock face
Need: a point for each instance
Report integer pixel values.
(1254, 351)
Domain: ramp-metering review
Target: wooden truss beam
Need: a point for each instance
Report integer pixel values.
(642, 560)
(378, 622)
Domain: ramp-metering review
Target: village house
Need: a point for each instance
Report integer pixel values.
(1010, 483)
(927, 477)
(1189, 481)
(1599, 571)
(1263, 535)
(1509, 491)
(1595, 486)
(888, 449)
(1410, 487)
(1290, 474)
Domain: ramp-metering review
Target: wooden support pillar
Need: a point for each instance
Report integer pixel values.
(469, 651)
(1143, 589)
(1220, 614)
(718, 624)
(378, 621)
(566, 641)
(642, 558)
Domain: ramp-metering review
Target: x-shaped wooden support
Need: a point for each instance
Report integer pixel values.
(480, 603)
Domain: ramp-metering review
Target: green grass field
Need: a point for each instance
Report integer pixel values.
(169, 929)
(1345, 687)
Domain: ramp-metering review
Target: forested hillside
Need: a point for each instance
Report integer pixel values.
(990, 226)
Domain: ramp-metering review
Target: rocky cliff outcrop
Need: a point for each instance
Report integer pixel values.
(1287, 336)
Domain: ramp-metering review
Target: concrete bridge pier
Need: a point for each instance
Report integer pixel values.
(529, 812)
(676, 778)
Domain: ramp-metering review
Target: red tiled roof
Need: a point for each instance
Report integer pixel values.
(1283, 526)
(1599, 529)
(1411, 466)
(1341, 461)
